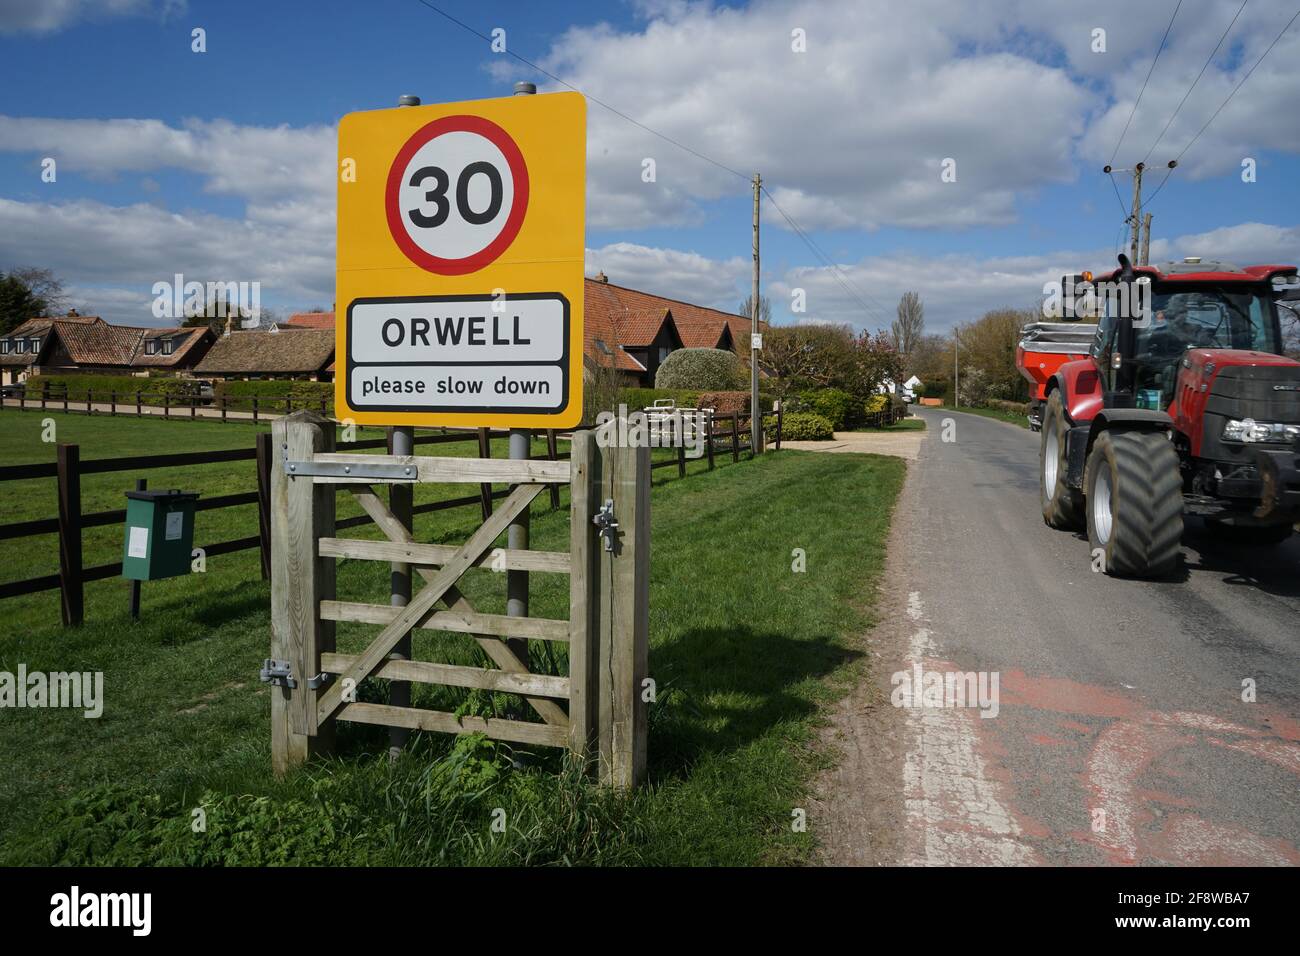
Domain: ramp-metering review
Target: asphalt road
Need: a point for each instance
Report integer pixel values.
(1121, 734)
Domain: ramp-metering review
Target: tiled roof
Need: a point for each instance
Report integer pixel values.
(310, 320)
(39, 328)
(99, 343)
(282, 353)
(185, 341)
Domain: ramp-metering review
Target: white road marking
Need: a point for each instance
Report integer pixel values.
(956, 815)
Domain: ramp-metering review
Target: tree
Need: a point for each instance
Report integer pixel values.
(703, 369)
(800, 357)
(907, 329)
(27, 293)
(764, 309)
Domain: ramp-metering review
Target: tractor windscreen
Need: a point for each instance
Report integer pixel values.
(1209, 318)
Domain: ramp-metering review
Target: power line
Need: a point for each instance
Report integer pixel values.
(836, 272)
(1154, 60)
(1209, 59)
(1239, 85)
(601, 103)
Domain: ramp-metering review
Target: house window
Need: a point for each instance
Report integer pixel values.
(4, 346)
(151, 347)
(35, 344)
(168, 346)
(663, 354)
(20, 345)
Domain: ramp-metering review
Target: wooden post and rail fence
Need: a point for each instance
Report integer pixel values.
(723, 435)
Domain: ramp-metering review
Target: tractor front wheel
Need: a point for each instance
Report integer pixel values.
(1062, 505)
(1135, 503)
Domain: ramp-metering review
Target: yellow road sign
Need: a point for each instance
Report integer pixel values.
(460, 263)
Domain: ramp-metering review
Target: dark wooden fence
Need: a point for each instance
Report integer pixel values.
(68, 470)
(145, 404)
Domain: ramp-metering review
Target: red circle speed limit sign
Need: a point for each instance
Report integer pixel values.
(456, 194)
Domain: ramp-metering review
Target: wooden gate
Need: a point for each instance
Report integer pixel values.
(596, 712)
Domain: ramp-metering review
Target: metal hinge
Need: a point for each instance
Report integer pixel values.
(276, 672)
(332, 469)
(605, 521)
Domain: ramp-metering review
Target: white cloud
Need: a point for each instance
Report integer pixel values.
(850, 134)
(688, 276)
(49, 16)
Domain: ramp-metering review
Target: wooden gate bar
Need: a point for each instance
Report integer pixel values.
(451, 470)
(498, 625)
(418, 719)
(483, 678)
(438, 554)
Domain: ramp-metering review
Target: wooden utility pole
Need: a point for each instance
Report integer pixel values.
(755, 418)
(956, 394)
(1146, 240)
(1135, 218)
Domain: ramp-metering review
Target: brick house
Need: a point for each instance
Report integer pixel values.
(86, 343)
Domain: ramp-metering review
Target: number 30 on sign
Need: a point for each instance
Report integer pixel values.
(460, 264)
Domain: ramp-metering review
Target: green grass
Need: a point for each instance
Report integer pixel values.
(744, 653)
(1014, 418)
(906, 425)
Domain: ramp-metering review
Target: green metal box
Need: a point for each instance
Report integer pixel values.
(159, 534)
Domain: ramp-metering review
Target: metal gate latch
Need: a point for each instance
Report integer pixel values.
(322, 679)
(604, 520)
(277, 672)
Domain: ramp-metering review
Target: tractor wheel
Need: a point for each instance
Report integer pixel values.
(1259, 536)
(1062, 505)
(1135, 503)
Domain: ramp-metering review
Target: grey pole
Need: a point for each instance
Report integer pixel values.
(521, 449)
(401, 502)
(755, 417)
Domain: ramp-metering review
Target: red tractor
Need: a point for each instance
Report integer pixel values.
(1184, 404)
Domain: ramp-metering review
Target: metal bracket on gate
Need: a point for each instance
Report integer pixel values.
(333, 469)
(604, 520)
(276, 672)
(323, 679)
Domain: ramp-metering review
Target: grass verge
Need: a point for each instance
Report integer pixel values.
(744, 651)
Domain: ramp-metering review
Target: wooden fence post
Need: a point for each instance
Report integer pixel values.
(735, 436)
(623, 623)
(223, 409)
(254, 408)
(302, 512)
(708, 437)
(90, 409)
(780, 411)
(138, 410)
(485, 489)
(584, 547)
(264, 459)
(45, 395)
(552, 452)
(112, 404)
(167, 405)
(70, 583)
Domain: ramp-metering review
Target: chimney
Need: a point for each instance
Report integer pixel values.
(73, 313)
(229, 324)
(601, 277)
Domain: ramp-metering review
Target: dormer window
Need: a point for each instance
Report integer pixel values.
(151, 347)
(4, 346)
(35, 344)
(168, 346)
(20, 346)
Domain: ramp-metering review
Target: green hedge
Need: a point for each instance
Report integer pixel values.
(805, 426)
(177, 390)
(272, 393)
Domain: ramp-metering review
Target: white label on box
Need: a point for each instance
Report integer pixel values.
(175, 520)
(138, 545)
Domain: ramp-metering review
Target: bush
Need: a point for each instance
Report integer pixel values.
(1018, 408)
(876, 403)
(638, 398)
(705, 369)
(835, 405)
(805, 426)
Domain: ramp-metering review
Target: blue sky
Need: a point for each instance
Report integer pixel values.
(849, 134)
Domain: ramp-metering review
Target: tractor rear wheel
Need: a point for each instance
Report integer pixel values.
(1135, 503)
(1062, 505)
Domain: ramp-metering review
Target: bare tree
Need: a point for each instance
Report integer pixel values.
(764, 309)
(908, 328)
